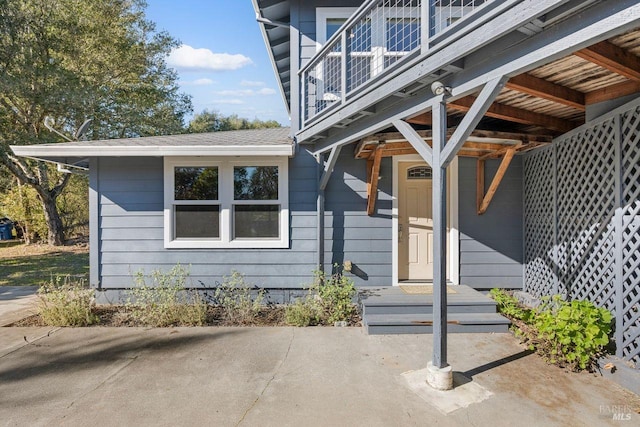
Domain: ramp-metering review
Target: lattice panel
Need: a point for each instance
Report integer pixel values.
(586, 203)
(597, 218)
(538, 222)
(630, 177)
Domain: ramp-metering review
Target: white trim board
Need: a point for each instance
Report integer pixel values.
(453, 233)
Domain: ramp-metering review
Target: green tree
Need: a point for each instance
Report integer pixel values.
(77, 59)
(214, 121)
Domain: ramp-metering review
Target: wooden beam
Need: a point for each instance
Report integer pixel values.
(375, 174)
(421, 119)
(502, 169)
(518, 115)
(613, 58)
(479, 183)
(541, 88)
(612, 92)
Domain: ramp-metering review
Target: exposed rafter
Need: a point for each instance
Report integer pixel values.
(541, 88)
(613, 58)
(612, 92)
(518, 115)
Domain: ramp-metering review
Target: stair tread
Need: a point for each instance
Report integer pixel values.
(416, 319)
(413, 302)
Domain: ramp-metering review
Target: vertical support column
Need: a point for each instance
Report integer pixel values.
(320, 215)
(618, 240)
(439, 373)
(439, 181)
(95, 246)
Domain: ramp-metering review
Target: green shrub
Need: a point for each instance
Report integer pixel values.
(241, 302)
(569, 334)
(64, 302)
(166, 302)
(303, 312)
(509, 305)
(335, 293)
(572, 333)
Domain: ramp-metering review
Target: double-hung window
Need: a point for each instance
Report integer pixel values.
(226, 203)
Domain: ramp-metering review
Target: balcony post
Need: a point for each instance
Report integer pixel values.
(426, 15)
(343, 67)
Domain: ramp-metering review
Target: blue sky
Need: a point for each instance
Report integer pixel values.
(223, 63)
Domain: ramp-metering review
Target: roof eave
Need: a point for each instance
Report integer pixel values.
(272, 59)
(59, 151)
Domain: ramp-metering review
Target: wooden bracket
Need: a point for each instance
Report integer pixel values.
(483, 200)
(373, 173)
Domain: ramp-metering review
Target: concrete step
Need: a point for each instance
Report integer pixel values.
(379, 324)
(484, 305)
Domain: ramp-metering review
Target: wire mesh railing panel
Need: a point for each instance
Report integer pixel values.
(445, 13)
(323, 82)
(379, 38)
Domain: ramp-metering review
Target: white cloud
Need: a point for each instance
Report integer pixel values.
(246, 92)
(188, 58)
(266, 91)
(199, 82)
(251, 83)
(228, 101)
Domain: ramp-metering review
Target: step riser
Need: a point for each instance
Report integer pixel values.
(423, 329)
(426, 309)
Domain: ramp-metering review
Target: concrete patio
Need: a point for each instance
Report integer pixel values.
(281, 376)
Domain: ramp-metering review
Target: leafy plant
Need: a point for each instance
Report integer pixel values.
(509, 305)
(64, 302)
(166, 302)
(335, 293)
(573, 333)
(569, 334)
(303, 312)
(240, 301)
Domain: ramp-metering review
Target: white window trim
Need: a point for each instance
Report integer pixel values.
(325, 13)
(226, 202)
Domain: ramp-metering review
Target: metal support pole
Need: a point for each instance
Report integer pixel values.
(439, 180)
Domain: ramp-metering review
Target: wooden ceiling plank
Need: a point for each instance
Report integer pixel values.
(614, 58)
(541, 88)
(518, 115)
(612, 92)
(421, 119)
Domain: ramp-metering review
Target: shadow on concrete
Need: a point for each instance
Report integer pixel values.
(43, 357)
(491, 365)
(8, 293)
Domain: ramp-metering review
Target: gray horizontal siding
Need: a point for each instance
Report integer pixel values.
(491, 244)
(351, 234)
(131, 220)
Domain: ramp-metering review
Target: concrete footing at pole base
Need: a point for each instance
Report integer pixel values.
(440, 378)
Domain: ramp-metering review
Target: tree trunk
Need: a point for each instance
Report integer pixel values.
(55, 230)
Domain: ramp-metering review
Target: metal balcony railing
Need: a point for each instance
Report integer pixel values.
(380, 35)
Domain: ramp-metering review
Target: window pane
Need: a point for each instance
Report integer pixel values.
(403, 35)
(255, 183)
(196, 183)
(333, 25)
(200, 221)
(251, 221)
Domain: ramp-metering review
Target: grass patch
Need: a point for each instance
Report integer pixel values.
(29, 265)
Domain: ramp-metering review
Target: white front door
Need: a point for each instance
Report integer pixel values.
(415, 222)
